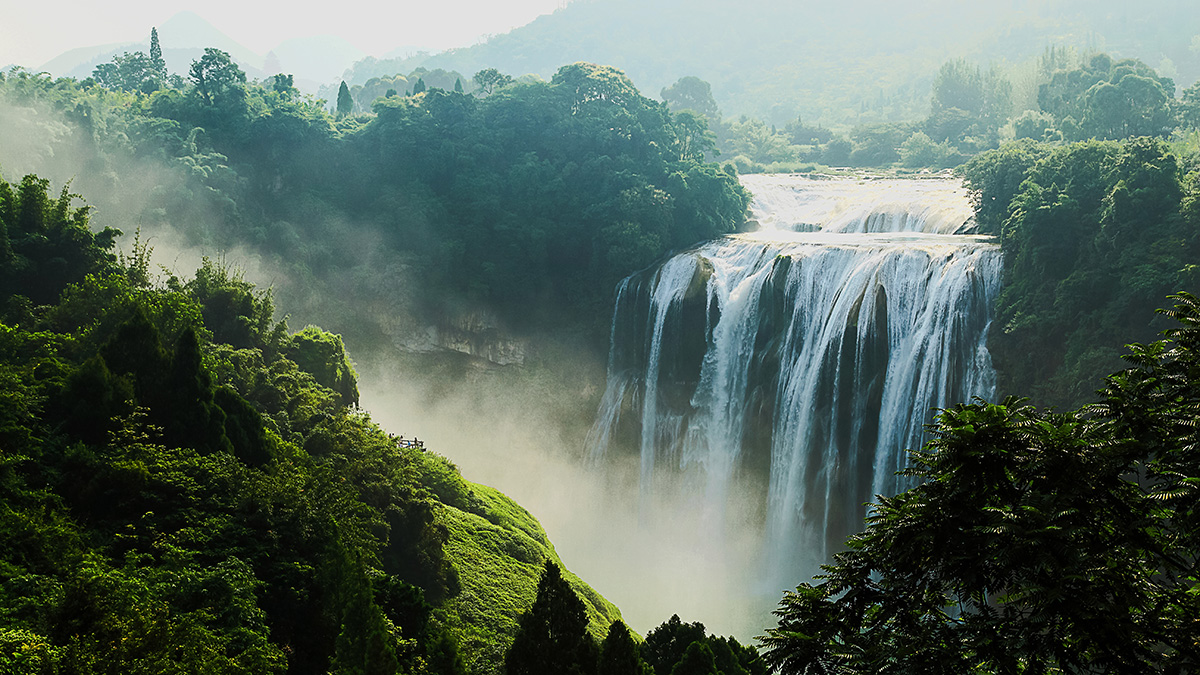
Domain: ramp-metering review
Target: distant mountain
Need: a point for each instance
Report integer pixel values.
(839, 63)
(68, 61)
(183, 38)
(313, 60)
(321, 58)
(187, 30)
(408, 51)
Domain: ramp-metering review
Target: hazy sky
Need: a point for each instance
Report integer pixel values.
(32, 33)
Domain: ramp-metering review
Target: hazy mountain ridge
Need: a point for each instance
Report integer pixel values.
(852, 63)
(817, 59)
(313, 60)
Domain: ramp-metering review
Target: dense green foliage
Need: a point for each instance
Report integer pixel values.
(1108, 99)
(1037, 542)
(531, 199)
(1092, 234)
(968, 105)
(552, 639)
(45, 243)
(668, 646)
(185, 486)
(555, 190)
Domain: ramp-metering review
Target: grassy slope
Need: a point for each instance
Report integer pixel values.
(498, 548)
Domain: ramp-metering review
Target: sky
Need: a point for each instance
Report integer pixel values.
(32, 33)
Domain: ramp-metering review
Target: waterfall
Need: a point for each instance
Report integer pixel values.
(803, 358)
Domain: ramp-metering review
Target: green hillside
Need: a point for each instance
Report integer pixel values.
(187, 486)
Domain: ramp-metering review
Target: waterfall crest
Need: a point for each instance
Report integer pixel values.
(804, 358)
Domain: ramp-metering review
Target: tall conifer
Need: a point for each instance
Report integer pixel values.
(345, 103)
(552, 637)
(157, 65)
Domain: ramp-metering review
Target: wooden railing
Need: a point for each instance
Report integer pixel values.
(402, 442)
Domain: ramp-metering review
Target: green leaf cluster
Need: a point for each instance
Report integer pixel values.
(1109, 99)
(1092, 234)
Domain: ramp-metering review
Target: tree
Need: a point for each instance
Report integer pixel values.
(692, 93)
(322, 354)
(345, 104)
(801, 134)
(158, 66)
(1035, 124)
(619, 653)
(1081, 228)
(697, 660)
(753, 139)
(665, 645)
(552, 637)
(1189, 107)
(217, 79)
(959, 84)
(46, 243)
(1106, 98)
(458, 87)
(366, 644)
(1135, 105)
(489, 80)
(968, 103)
(878, 144)
(920, 151)
(589, 83)
(693, 139)
(133, 72)
(419, 87)
(285, 85)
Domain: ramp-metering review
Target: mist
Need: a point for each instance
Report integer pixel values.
(523, 434)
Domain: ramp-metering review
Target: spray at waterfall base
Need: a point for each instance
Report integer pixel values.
(770, 382)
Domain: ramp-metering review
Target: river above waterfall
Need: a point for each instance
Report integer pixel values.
(788, 202)
(774, 379)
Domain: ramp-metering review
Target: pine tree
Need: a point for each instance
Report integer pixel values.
(665, 645)
(365, 644)
(619, 653)
(8, 214)
(552, 637)
(158, 66)
(458, 88)
(419, 86)
(697, 660)
(345, 104)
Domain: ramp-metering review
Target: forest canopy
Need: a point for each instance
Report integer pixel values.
(186, 486)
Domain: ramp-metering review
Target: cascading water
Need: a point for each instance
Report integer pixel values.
(799, 362)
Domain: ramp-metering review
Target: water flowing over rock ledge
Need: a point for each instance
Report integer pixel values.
(803, 358)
